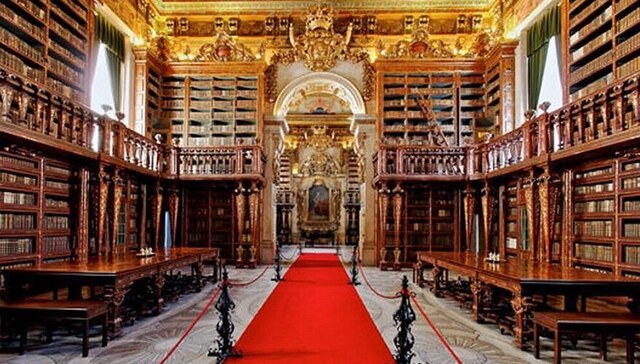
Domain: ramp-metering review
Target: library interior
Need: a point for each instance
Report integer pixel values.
(152, 151)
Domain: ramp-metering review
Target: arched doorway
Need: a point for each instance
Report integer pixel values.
(317, 167)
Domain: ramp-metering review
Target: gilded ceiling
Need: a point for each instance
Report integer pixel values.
(291, 6)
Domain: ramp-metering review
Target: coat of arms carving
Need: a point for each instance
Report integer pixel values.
(320, 47)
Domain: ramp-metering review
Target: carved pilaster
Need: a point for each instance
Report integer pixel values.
(104, 178)
(7, 93)
(254, 206)
(157, 215)
(240, 212)
(118, 187)
(531, 216)
(548, 195)
(397, 217)
(487, 200)
(173, 202)
(469, 201)
(521, 306)
(383, 205)
(82, 248)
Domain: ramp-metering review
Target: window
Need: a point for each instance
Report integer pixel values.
(101, 92)
(551, 89)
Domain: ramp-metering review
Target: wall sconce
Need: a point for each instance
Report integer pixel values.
(269, 24)
(461, 25)
(357, 24)
(183, 25)
(476, 23)
(408, 24)
(284, 26)
(218, 24)
(171, 26)
(234, 24)
(423, 21)
(372, 24)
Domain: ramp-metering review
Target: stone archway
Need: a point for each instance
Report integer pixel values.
(317, 111)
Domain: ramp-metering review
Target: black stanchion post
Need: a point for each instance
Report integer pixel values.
(278, 266)
(354, 266)
(225, 326)
(403, 318)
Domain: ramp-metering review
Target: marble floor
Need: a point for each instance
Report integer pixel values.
(151, 338)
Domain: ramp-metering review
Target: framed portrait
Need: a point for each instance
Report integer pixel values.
(318, 203)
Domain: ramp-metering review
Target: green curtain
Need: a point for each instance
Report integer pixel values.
(113, 39)
(538, 37)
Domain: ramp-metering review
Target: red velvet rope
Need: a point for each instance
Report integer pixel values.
(435, 330)
(251, 281)
(371, 287)
(193, 324)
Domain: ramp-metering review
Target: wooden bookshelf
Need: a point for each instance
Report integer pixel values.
(603, 44)
(201, 107)
(48, 43)
(147, 90)
(37, 209)
(209, 218)
(454, 94)
(430, 222)
(499, 85)
(512, 219)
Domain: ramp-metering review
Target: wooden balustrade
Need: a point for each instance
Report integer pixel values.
(420, 161)
(26, 106)
(235, 160)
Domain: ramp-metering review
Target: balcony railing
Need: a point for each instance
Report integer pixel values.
(420, 161)
(48, 118)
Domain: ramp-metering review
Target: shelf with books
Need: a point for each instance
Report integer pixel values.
(208, 218)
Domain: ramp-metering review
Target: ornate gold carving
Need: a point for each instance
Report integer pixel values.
(397, 216)
(164, 48)
(320, 47)
(469, 202)
(82, 250)
(419, 46)
(240, 211)
(224, 49)
(548, 195)
(254, 206)
(118, 185)
(103, 195)
(487, 200)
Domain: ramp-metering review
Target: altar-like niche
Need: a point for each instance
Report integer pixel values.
(319, 186)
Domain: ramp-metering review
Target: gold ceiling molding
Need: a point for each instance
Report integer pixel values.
(224, 49)
(420, 46)
(292, 6)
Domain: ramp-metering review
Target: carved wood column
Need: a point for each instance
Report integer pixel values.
(156, 202)
(254, 207)
(548, 195)
(528, 189)
(240, 219)
(487, 200)
(566, 250)
(173, 202)
(397, 216)
(383, 205)
(118, 187)
(82, 248)
(104, 178)
(469, 201)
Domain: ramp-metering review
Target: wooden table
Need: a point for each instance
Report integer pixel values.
(524, 279)
(115, 273)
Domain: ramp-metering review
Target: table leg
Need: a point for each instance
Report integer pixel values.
(630, 349)
(198, 268)
(436, 273)
(557, 348)
(158, 282)
(521, 305)
(477, 288)
(114, 296)
(536, 341)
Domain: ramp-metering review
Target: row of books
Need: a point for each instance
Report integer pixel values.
(17, 179)
(588, 10)
(33, 29)
(594, 188)
(55, 244)
(593, 173)
(17, 221)
(629, 183)
(57, 185)
(593, 206)
(55, 222)
(24, 48)
(17, 198)
(593, 66)
(629, 20)
(631, 205)
(576, 36)
(627, 46)
(602, 228)
(594, 252)
(632, 254)
(631, 229)
(12, 246)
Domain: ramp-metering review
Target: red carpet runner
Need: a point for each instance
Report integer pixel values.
(313, 316)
